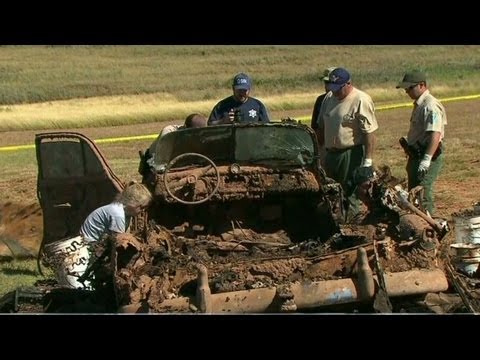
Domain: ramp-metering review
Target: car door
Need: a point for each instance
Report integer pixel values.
(73, 180)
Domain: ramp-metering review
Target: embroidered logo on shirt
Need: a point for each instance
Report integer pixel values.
(252, 113)
(347, 119)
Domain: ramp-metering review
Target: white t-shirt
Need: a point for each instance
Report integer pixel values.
(104, 220)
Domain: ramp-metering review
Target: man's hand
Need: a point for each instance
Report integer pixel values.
(367, 163)
(363, 174)
(424, 165)
(231, 115)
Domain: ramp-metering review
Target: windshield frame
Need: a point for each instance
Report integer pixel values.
(288, 145)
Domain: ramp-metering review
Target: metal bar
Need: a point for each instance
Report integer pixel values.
(312, 295)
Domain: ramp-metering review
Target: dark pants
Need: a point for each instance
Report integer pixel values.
(339, 165)
(427, 182)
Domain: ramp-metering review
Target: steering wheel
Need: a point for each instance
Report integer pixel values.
(189, 182)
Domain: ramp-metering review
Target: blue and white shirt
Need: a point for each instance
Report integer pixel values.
(106, 219)
(252, 110)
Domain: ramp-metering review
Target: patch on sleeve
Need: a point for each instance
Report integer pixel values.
(433, 118)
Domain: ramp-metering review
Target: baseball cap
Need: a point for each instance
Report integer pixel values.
(337, 79)
(241, 81)
(412, 78)
(327, 72)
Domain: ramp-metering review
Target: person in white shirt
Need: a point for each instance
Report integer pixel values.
(114, 218)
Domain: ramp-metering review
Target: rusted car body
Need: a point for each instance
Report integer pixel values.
(244, 219)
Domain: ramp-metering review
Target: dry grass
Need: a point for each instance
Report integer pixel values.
(81, 86)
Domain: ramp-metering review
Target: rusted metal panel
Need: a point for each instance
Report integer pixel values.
(73, 180)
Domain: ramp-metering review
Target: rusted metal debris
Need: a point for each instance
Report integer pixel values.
(235, 227)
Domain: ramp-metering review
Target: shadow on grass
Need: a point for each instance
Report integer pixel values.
(5, 259)
(17, 250)
(20, 272)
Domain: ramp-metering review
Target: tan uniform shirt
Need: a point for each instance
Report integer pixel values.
(428, 115)
(346, 121)
(169, 128)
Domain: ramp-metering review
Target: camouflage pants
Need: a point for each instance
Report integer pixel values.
(427, 182)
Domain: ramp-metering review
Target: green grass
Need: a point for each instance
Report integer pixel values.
(196, 73)
(13, 163)
(15, 273)
(113, 85)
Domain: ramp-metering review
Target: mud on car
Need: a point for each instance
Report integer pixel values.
(244, 219)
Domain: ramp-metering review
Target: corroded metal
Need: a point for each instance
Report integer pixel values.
(315, 294)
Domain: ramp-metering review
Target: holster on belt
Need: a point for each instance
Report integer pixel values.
(417, 150)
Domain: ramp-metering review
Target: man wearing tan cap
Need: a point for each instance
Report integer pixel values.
(318, 102)
(316, 111)
(423, 143)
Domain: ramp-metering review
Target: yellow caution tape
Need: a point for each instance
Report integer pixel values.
(302, 118)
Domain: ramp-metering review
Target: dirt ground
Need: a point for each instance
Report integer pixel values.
(21, 216)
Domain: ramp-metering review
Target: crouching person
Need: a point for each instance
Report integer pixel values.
(114, 218)
(71, 258)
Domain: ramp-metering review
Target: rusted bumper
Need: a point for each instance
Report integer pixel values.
(303, 295)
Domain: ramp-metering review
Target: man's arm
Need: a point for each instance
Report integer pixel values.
(316, 111)
(212, 119)
(433, 138)
(320, 136)
(263, 113)
(433, 141)
(370, 142)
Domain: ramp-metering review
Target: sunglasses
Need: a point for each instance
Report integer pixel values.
(411, 87)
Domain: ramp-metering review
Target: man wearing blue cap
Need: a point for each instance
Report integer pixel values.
(348, 124)
(423, 143)
(239, 107)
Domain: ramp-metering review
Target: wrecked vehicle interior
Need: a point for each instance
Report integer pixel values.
(244, 220)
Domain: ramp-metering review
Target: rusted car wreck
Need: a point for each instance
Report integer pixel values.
(244, 220)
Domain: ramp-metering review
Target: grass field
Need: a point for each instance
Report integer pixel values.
(57, 87)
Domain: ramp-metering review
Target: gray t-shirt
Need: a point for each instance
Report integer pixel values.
(105, 220)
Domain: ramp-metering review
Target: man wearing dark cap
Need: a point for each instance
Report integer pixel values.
(348, 124)
(423, 143)
(239, 107)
